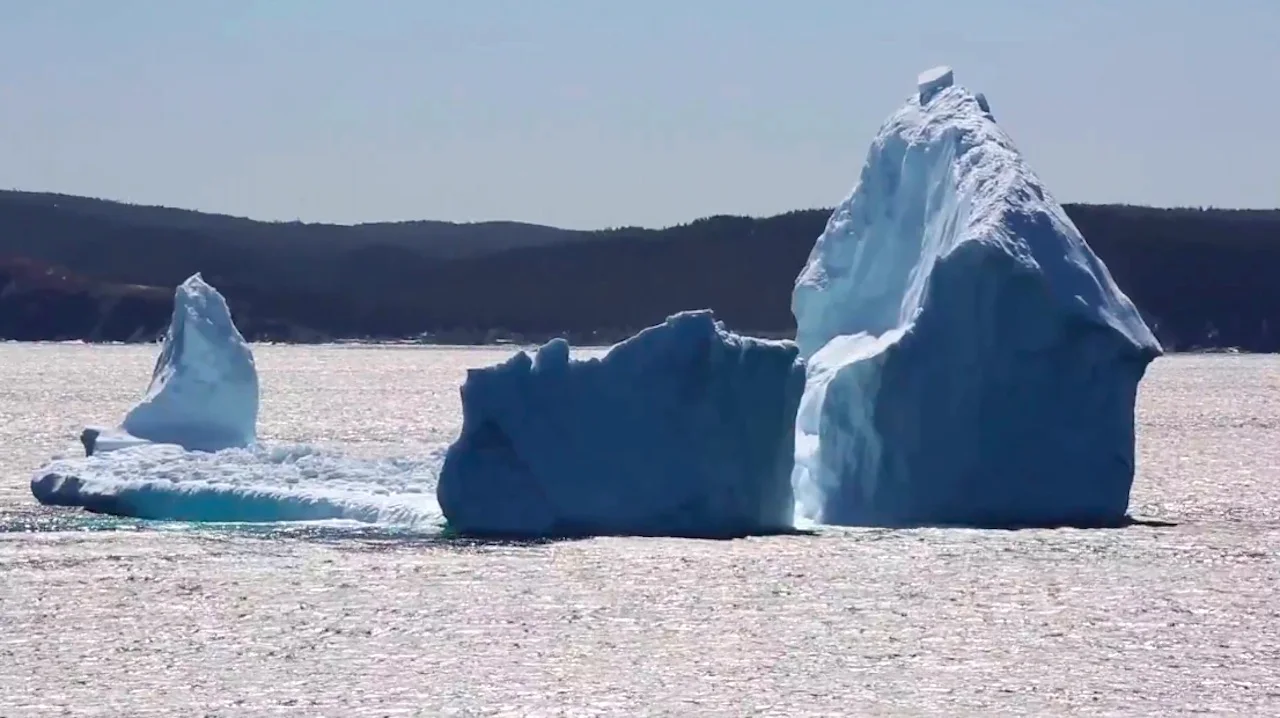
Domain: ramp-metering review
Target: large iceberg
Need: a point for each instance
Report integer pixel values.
(682, 430)
(204, 388)
(971, 361)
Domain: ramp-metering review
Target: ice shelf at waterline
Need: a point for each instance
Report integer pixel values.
(970, 360)
(257, 484)
(203, 394)
(685, 429)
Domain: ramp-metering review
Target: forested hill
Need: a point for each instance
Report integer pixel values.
(74, 267)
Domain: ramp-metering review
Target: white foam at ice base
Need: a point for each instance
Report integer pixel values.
(258, 484)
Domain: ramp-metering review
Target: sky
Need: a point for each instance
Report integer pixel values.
(601, 113)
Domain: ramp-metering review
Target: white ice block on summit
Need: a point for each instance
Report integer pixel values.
(970, 360)
(685, 429)
(204, 388)
(933, 80)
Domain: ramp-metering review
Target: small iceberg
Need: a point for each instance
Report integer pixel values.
(188, 450)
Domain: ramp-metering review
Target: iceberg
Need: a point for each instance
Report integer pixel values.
(684, 429)
(188, 451)
(970, 360)
(203, 394)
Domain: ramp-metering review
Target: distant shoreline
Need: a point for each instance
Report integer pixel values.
(514, 346)
(82, 268)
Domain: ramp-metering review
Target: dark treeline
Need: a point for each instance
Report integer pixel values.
(89, 269)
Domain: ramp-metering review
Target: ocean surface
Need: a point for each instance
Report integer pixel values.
(108, 617)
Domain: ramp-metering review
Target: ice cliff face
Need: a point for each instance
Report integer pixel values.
(204, 388)
(971, 360)
(682, 430)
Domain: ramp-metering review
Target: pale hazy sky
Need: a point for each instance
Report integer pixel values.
(591, 113)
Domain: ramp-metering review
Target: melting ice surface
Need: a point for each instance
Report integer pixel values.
(188, 452)
(255, 484)
(685, 429)
(971, 361)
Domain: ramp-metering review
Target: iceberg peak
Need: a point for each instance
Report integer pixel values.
(971, 360)
(203, 393)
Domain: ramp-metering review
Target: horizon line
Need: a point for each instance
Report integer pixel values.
(299, 221)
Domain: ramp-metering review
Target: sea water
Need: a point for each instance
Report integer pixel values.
(111, 617)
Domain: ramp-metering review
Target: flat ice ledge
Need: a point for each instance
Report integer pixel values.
(934, 80)
(101, 439)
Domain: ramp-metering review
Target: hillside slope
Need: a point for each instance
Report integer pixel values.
(1202, 278)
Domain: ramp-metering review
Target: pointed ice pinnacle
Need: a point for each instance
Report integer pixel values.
(204, 388)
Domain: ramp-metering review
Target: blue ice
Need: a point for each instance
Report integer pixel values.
(970, 360)
(685, 429)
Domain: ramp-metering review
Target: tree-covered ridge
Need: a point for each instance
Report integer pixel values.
(1204, 277)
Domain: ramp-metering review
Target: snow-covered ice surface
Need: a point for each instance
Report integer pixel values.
(204, 388)
(971, 361)
(104, 617)
(685, 429)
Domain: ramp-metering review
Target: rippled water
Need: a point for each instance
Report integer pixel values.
(100, 617)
